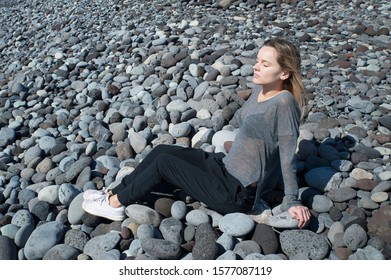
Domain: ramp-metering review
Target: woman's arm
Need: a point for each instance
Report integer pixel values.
(287, 145)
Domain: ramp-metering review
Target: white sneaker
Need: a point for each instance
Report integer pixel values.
(261, 212)
(100, 207)
(259, 206)
(91, 194)
(262, 218)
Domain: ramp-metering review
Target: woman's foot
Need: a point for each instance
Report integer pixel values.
(261, 218)
(261, 212)
(100, 206)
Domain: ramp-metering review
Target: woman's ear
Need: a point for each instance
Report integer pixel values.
(285, 75)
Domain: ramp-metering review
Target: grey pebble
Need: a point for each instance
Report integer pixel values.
(236, 224)
(23, 234)
(294, 242)
(282, 220)
(75, 211)
(61, 252)
(172, 230)
(179, 210)
(227, 255)
(97, 246)
(145, 231)
(341, 194)
(143, 214)
(197, 217)
(321, 203)
(76, 238)
(42, 239)
(23, 217)
(205, 247)
(9, 230)
(161, 249)
(246, 247)
(135, 248)
(355, 237)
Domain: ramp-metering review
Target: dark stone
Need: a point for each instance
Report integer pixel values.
(124, 244)
(126, 233)
(163, 206)
(335, 213)
(205, 247)
(41, 210)
(91, 220)
(355, 220)
(102, 228)
(266, 238)
(113, 89)
(387, 251)
(8, 250)
(246, 247)
(385, 121)
(370, 153)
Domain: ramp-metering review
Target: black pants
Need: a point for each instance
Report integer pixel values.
(199, 174)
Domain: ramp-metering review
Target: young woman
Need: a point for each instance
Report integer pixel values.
(263, 151)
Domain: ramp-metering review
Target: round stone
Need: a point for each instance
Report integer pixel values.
(379, 197)
(236, 224)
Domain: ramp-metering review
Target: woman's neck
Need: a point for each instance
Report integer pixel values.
(267, 93)
(270, 90)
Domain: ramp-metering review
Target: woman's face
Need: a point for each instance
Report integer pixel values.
(267, 71)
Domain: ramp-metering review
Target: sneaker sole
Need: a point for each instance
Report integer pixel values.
(102, 214)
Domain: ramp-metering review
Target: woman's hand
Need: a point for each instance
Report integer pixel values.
(300, 213)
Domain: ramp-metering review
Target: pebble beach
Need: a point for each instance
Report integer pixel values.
(88, 88)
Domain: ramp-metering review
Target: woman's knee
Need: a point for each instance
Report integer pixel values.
(163, 149)
(164, 160)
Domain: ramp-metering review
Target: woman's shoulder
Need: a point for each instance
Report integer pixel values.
(287, 105)
(286, 98)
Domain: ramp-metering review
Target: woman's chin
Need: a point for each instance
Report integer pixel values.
(257, 81)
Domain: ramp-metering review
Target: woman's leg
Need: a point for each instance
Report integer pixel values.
(201, 175)
(178, 151)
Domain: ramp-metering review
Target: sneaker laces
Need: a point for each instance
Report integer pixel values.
(104, 190)
(102, 200)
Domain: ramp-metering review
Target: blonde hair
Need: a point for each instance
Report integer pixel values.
(288, 57)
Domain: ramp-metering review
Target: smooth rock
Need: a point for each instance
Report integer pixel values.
(42, 239)
(161, 249)
(236, 224)
(61, 252)
(282, 220)
(355, 237)
(196, 217)
(143, 214)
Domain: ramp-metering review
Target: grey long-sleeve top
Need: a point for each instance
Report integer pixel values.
(265, 145)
